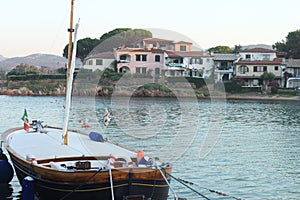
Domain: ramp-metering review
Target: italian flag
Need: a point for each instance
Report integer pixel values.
(26, 121)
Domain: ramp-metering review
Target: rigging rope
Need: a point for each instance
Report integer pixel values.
(99, 170)
(211, 190)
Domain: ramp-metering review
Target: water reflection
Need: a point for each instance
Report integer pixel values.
(256, 157)
(6, 191)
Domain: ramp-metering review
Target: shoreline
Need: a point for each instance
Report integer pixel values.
(261, 97)
(229, 96)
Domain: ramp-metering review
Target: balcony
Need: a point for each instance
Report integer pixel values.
(175, 64)
(224, 70)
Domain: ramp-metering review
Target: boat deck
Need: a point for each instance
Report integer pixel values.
(50, 145)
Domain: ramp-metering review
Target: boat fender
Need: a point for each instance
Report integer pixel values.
(95, 136)
(6, 172)
(28, 188)
(58, 166)
(31, 158)
(112, 160)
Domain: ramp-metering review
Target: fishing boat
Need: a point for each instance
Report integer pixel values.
(73, 171)
(71, 164)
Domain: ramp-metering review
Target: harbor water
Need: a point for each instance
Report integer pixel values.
(248, 149)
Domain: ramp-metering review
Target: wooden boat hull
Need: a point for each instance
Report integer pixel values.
(93, 185)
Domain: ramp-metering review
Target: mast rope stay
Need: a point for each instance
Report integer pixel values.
(69, 85)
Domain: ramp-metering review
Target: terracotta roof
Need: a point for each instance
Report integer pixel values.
(153, 50)
(183, 42)
(276, 61)
(107, 55)
(228, 57)
(292, 63)
(154, 40)
(258, 50)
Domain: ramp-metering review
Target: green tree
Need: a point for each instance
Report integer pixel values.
(115, 39)
(2, 75)
(108, 41)
(84, 47)
(61, 70)
(220, 49)
(112, 33)
(291, 45)
(267, 77)
(236, 49)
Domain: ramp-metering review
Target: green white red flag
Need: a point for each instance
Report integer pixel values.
(26, 121)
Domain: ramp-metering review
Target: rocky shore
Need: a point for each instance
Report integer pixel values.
(142, 92)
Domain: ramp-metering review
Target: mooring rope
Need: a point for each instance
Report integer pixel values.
(99, 170)
(111, 184)
(178, 180)
(175, 196)
(211, 190)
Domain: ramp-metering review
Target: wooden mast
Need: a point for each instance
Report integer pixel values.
(71, 30)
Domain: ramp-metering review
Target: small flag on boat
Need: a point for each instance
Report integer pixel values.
(26, 121)
(106, 118)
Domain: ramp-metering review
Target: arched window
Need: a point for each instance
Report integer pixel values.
(243, 69)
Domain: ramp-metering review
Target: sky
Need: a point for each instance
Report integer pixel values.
(40, 26)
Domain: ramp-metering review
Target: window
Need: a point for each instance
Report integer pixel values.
(122, 57)
(141, 70)
(276, 68)
(260, 68)
(255, 68)
(265, 68)
(144, 57)
(196, 61)
(200, 61)
(266, 56)
(90, 62)
(248, 56)
(163, 47)
(157, 58)
(243, 69)
(138, 57)
(99, 62)
(182, 48)
(144, 70)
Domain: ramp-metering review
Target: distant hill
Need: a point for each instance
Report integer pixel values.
(2, 58)
(265, 46)
(35, 60)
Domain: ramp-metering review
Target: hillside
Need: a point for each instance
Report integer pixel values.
(2, 58)
(35, 60)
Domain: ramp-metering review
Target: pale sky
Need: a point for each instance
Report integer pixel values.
(40, 26)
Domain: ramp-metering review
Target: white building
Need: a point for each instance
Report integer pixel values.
(100, 61)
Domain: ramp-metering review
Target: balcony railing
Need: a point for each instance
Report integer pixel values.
(175, 64)
(224, 70)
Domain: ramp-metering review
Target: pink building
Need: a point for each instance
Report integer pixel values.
(141, 61)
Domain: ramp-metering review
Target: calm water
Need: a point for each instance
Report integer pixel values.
(253, 146)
